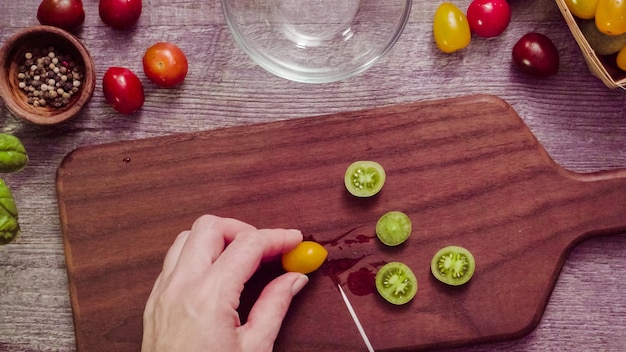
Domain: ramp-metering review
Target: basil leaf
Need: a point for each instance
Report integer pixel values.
(13, 155)
(9, 227)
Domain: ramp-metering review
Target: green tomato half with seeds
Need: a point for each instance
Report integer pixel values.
(396, 283)
(453, 265)
(364, 178)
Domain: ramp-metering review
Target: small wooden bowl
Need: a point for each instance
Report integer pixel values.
(12, 56)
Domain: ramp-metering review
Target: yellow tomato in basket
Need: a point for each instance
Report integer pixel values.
(611, 16)
(621, 59)
(585, 9)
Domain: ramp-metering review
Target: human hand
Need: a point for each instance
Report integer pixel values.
(192, 307)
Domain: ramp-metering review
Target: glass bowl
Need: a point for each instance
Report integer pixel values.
(316, 41)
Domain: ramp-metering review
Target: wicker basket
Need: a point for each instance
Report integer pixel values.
(603, 67)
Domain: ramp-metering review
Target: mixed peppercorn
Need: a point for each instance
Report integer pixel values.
(49, 78)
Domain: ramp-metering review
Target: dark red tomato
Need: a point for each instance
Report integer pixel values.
(120, 14)
(488, 18)
(536, 54)
(165, 64)
(65, 14)
(123, 90)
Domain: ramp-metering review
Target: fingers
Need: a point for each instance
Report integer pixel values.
(267, 314)
(242, 256)
(195, 251)
(169, 263)
(206, 241)
(218, 256)
(171, 258)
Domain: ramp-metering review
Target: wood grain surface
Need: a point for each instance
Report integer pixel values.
(467, 171)
(580, 122)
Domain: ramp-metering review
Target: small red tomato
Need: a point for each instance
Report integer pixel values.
(488, 18)
(165, 64)
(536, 54)
(123, 90)
(120, 14)
(65, 14)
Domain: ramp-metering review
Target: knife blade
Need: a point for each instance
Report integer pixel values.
(356, 320)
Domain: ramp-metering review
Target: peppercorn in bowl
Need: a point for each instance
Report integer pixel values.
(46, 75)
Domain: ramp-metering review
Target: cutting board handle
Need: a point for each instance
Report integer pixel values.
(600, 199)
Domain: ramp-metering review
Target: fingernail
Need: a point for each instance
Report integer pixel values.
(297, 233)
(299, 284)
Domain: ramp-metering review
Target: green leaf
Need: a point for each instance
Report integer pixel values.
(13, 156)
(9, 226)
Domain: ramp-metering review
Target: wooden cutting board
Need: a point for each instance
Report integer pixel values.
(467, 171)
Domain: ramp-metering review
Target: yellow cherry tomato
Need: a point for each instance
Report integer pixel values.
(450, 28)
(621, 59)
(611, 16)
(307, 257)
(585, 9)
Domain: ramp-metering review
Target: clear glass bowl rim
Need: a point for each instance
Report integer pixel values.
(296, 76)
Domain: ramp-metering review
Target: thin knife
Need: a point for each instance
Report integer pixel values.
(356, 320)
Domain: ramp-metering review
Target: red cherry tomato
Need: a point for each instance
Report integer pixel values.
(123, 90)
(165, 64)
(536, 54)
(488, 18)
(65, 14)
(120, 14)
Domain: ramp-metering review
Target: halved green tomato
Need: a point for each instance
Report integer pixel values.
(396, 283)
(364, 178)
(393, 228)
(453, 265)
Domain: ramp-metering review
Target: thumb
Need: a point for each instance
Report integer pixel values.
(268, 312)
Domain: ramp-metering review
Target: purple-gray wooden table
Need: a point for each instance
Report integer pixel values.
(580, 122)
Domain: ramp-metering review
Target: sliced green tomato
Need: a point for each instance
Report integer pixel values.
(364, 178)
(453, 265)
(393, 228)
(396, 283)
